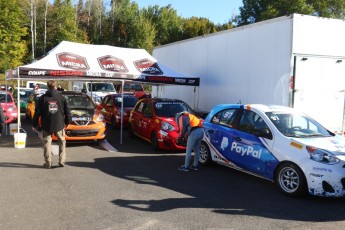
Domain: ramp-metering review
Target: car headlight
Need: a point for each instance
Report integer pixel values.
(100, 117)
(322, 156)
(167, 126)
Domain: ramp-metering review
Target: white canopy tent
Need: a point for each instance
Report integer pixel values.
(70, 61)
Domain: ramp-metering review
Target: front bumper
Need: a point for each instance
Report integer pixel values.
(11, 117)
(326, 180)
(84, 133)
(167, 141)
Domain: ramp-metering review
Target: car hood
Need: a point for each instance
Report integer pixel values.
(5, 106)
(170, 120)
(82, 116)
(335, 144)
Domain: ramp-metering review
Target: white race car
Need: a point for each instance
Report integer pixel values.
(276, 143)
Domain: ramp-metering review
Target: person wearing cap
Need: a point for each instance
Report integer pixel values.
(190, 128)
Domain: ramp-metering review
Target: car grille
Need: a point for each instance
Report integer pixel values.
(82, 123)
(82, 133)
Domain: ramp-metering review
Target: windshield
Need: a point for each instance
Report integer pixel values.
(24, 94)
(103, 87)
(127, 101)
(297, 125)
(79, 102)
(170, 108)
(3, 98)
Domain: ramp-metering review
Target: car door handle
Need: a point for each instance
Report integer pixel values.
(211, 131)
(237, 139)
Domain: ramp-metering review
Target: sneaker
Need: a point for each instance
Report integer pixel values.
(61, 164)
(195, 168)
(182, 168)
(47, 165)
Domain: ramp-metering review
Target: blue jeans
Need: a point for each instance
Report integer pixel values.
(193, 143)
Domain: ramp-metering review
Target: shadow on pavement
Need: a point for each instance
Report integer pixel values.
(218, 188)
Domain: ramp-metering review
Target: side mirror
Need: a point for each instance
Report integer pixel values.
(83, 90)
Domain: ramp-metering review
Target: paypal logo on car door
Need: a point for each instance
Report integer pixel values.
(242, 149)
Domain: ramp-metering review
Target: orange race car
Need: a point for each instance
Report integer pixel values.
(87, 123)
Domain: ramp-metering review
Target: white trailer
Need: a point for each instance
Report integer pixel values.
(296, 61)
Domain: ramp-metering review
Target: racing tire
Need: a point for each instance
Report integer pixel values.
(154, 141)
(205, 154)
(291, 180)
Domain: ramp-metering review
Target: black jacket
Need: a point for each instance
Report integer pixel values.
(2, 119)
(54, 112)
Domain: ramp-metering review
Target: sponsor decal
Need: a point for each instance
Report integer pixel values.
(53, 107)
(140, 77)
(180, 80)
(296, 145)
(147, 66)
(246, 150)
(322, 169)
(163, 133)
(66, 73)
(81, 118)
(95, 74)
(316, 175)
(160, 79)
(225, 143)
(36, 73)
(111, 63)
(72, 61)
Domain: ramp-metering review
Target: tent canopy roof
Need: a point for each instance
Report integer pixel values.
(71, 61)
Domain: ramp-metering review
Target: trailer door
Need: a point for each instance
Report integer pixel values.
(320, 90)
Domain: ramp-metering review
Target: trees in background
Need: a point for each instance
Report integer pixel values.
(30, 28)
(13, 34)
(259, 10)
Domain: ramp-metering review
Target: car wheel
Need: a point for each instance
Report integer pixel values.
(154, 141)
(205, 154)
(291, 180)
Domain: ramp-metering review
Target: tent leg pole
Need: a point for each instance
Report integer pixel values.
(123, 83)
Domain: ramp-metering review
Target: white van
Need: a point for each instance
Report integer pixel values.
(96, 90)
(32, 84)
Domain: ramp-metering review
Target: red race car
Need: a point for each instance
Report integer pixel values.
(153, 119)
(9, 106)
(110, 107)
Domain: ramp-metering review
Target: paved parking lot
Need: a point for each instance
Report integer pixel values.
(135, 188)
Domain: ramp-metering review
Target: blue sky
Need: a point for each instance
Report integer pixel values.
(217, 11)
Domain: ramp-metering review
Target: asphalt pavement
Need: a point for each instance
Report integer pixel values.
(137, 188)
